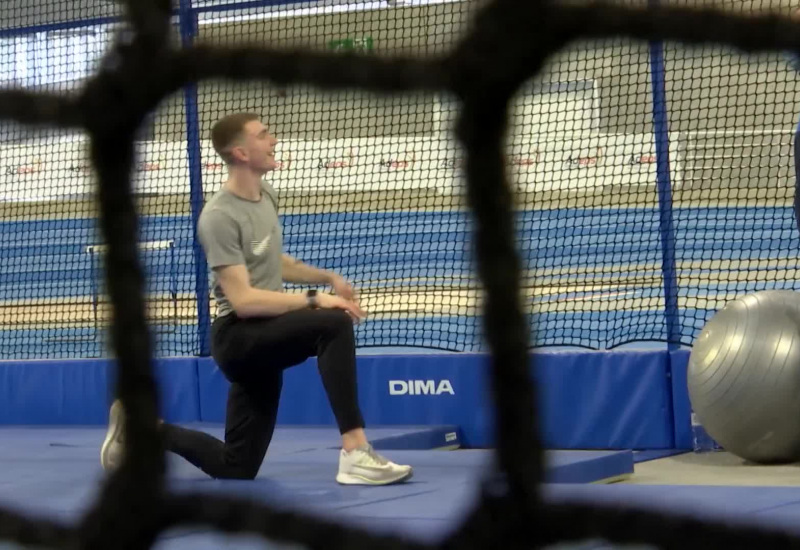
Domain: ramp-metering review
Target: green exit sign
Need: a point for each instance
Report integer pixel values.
(364, 44)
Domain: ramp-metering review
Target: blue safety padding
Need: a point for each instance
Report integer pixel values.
(605, 400)
(436, 437)
(177, 379)
(73, 392)
(177, 386)
(589, 400)
(681, 406)
(587, 466)
(54, 392)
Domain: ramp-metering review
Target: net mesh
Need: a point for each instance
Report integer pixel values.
(616, 247)
(652, 182)
(555, 187)
(368, 184)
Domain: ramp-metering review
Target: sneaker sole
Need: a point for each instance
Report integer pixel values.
(114, 425)
(350, 479)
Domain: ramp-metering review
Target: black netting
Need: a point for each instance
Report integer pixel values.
(501, 172)
(652, 182)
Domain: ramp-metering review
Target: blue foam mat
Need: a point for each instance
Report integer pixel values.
(56, 472)
(431, 509)
(48, 441)
(427, 508)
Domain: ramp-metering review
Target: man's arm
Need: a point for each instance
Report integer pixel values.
(219, 236)
(255, 302)
(295, 271)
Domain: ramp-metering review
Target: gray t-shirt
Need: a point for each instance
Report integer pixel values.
(234, 230)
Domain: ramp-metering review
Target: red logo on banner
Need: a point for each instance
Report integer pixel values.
(346, 162)
(398, 164)
(148, 166)
(34, 167)
(214, 166)
(585, 162)
(642, 159)
(523, 161)
(284, 164)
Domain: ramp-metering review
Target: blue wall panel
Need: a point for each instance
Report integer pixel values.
(682, 408)
(80, 391)
(54, 392)
(588, 399)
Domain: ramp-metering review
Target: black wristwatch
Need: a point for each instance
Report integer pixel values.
(311, 298)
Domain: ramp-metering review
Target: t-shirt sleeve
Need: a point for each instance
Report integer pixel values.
(219, 237)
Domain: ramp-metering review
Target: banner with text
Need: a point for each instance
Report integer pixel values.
(42, 172)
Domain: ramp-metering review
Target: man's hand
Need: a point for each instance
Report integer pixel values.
(343, 289)
(328, 301)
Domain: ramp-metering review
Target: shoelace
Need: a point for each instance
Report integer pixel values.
(378, 459)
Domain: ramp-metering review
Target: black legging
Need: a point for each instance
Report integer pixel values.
(252, 353)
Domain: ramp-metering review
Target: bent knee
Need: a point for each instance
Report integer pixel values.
(239, 471)
(337, 319)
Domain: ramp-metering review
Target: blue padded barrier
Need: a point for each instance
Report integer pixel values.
(79, 392)
(682, 408)
(606, 400)
(54, 392)
(590, 400)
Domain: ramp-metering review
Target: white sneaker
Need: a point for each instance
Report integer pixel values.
(363, 466)
(112, 450)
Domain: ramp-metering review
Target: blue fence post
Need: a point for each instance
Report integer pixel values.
(664, 187)
(676, 367)
(188, 28)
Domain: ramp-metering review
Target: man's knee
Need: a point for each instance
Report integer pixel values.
(337, 320)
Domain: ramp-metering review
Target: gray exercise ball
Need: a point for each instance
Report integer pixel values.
(744, 377)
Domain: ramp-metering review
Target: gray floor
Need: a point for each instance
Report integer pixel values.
(718, 468)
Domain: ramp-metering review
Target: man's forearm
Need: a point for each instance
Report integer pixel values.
(260, 303)
(295, 271)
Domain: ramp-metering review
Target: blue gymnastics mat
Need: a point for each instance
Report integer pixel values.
(55, 471)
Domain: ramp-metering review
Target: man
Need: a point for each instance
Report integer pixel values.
(260, 330)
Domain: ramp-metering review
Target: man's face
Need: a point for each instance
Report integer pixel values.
(256, 147)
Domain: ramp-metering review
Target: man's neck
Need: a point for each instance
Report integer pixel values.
(245, 184)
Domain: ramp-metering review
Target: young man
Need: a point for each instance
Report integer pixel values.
(260, 330)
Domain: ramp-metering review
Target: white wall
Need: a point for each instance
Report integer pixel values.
(608, 117)
(31, 173)
(28, 13)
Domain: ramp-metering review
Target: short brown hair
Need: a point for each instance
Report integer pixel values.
(227, 130)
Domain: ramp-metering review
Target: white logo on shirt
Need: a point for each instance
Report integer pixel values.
(260, 247)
